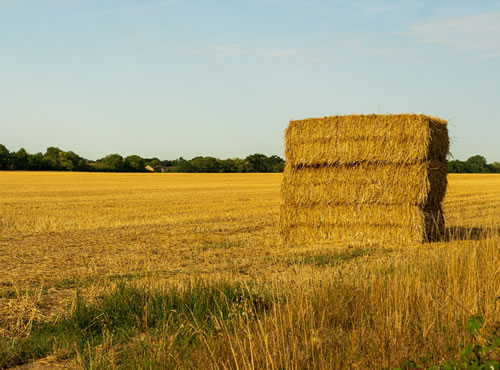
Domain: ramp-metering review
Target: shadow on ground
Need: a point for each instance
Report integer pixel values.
(469, 233)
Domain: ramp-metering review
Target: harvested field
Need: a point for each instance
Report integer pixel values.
(119, 237)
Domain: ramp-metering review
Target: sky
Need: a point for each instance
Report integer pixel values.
(172, 78)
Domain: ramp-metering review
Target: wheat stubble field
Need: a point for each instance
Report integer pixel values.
(186, 270)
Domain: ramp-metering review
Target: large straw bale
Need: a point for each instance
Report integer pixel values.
(397, 138)
(364, 179)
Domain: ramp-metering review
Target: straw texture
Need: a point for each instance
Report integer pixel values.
(417, 183)
(399, 138)
(364, 179)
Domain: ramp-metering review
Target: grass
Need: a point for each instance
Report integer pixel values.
(129, 311)
(186, 271)
(221, 245)
(333, 259)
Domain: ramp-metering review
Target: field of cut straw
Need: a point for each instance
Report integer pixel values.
(186, 270)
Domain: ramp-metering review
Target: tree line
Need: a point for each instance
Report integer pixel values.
(55, 159)
(475, 164)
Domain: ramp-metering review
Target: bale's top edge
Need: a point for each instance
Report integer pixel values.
(419, 116)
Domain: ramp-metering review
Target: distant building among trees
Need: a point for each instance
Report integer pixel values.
(55, 159)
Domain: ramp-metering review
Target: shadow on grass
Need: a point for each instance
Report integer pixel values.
(469, 233)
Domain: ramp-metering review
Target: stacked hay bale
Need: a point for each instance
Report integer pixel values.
(364, 179)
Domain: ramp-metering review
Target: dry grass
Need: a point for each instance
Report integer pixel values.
(334, 306)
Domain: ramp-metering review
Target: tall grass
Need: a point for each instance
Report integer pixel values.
(386, 314)
(108, 331)
(408, 308)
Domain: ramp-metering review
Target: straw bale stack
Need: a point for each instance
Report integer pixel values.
(364, 179)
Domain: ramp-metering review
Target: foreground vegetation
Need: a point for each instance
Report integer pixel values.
(138, 271)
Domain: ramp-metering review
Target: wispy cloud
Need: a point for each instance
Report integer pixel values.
(473, 33)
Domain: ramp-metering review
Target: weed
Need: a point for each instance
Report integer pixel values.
(473, 356)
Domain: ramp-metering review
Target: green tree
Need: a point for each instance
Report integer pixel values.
(477, 164)
(228, 166)
(51, 157)
(276, 163)
(258, 163)
(495, 167)
(135, 163)
(79, 163)
(5, 159)
(205, 165)
(113, 162)
(36, 162)
(68, 161)
(456, 166)
(183, 165)
(241, 165)
(20, 160)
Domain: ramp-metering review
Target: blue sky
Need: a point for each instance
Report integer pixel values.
(170, 78)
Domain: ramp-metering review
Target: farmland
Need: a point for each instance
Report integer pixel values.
(71, 241)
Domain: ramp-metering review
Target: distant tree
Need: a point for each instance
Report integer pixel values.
(37, 162)
(495, 167)
(262, 163)
(477, 164)
(168, 163)
(20, 159)
(241, 165)
(79, 163)
(182, 165)
(135, 163)
(113, 162)
(258, 163)
(276, 163)
(5, 159)
(205, 165)
(71, 161)
(456, 166)
(51, 157)
(228, 166)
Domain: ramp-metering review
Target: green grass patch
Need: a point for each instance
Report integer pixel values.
(130, 310)
(8, 294)
(333, 259)
(221, 245)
